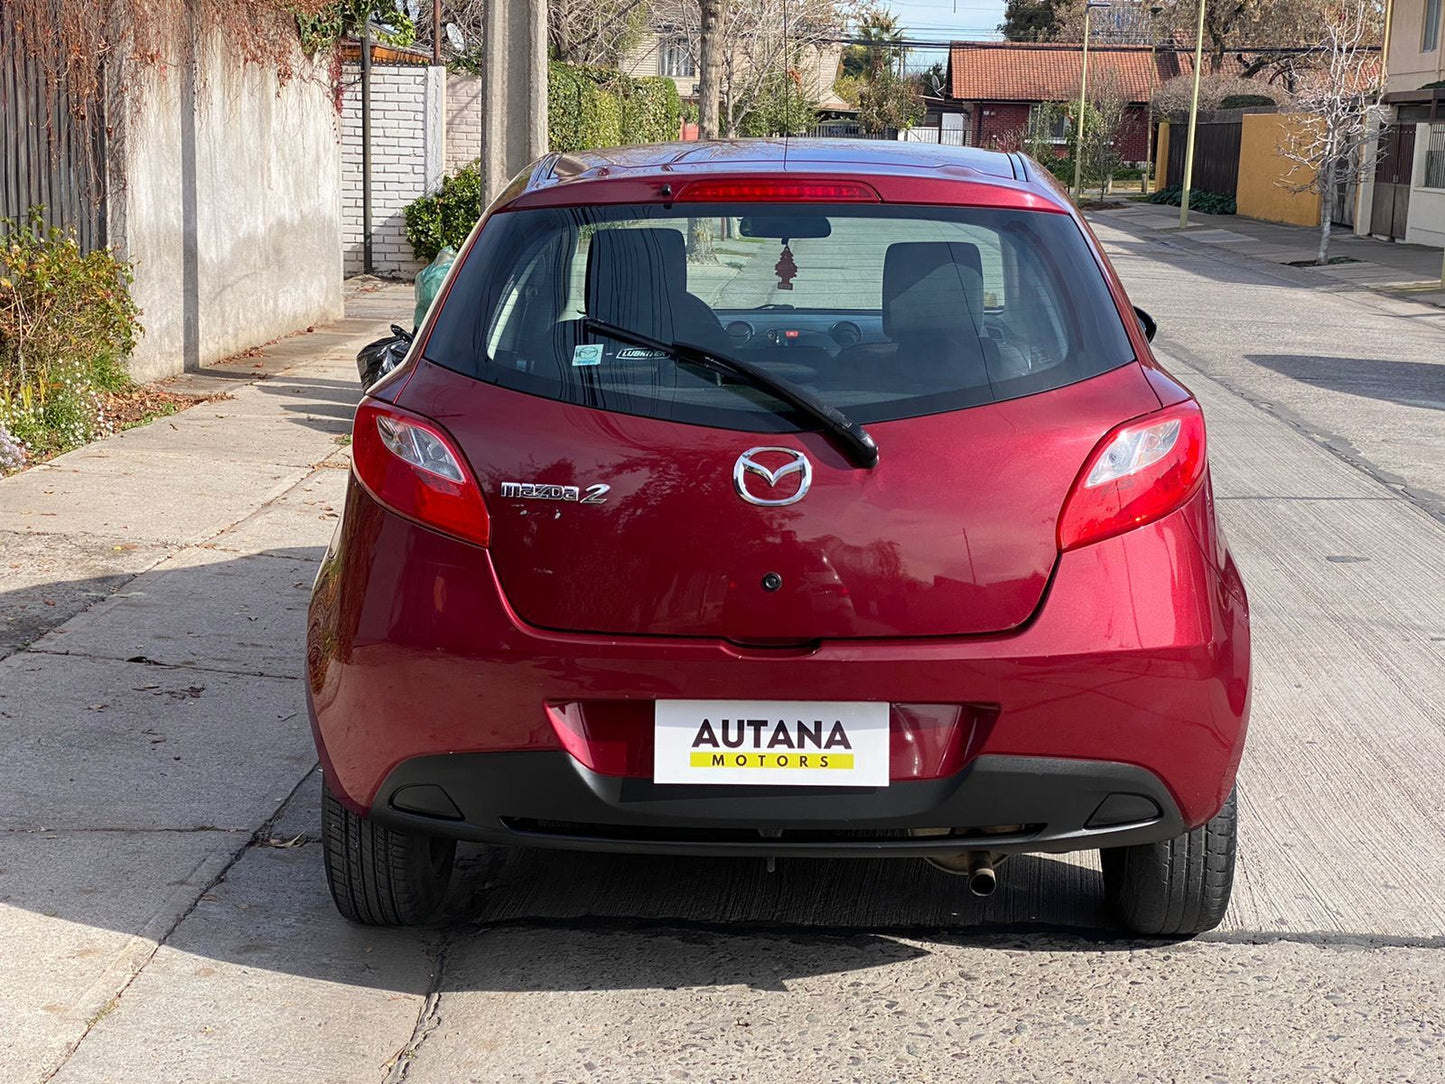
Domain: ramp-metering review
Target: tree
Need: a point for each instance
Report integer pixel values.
(756, 41)
(1172, 98)
(934, 80)
(1031, 20)
(782, 108)
(1230, 27)
(594, 31)
(711, 18)
(1337, 111)
(1104, 121)
(889, 102)
(883, 48)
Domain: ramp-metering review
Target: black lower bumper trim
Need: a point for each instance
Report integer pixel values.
(997, 803)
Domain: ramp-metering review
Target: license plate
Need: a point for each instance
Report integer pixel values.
(771, 743)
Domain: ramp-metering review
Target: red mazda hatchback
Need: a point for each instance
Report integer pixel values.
(781, 499)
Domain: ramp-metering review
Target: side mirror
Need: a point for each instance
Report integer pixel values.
(1146, 323)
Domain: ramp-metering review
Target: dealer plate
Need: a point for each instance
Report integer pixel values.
(771, 743)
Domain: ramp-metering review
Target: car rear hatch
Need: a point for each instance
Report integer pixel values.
(952, 533)
(628, 492)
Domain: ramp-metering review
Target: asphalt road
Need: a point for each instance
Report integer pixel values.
(143, 937)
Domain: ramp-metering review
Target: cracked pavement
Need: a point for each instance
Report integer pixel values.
(164, 915)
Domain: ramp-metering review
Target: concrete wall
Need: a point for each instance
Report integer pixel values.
(226, 196)
(1409, 68)
(1260, 167)
(1426, 222)
(464, 121)
(407, 159)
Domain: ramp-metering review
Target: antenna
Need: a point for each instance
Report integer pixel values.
(787, 82)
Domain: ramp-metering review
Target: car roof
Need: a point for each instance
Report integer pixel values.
(893, 167)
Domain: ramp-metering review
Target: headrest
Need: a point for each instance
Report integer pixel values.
(634, 276)
(932, 286)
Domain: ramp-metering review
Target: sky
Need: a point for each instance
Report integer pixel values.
(962, 19)
(945, 20)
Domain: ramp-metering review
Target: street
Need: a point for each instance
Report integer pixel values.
(164, 914)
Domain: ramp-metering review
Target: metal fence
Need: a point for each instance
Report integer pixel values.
(1435, 158)
(48, 156)
(948, 137)
(1216, 157)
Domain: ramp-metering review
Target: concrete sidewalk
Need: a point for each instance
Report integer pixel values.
(152, 596)
(1411, 272)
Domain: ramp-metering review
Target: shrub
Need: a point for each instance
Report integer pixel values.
(447, 216)
(1206, 203)
(1244, 101)
(67, 323)
(599, 107)
(1172, 98)
(586, 107)
(781, 109)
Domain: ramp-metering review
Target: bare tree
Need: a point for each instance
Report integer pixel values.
(595, 32)
(712, 17)
(1231, 27)
(1336, 112)
(1108, 116)
(757, 42)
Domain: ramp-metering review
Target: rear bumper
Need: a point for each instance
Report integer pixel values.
(1138, 658)
(550, 800)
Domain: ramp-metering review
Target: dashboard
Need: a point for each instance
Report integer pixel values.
(782, 327)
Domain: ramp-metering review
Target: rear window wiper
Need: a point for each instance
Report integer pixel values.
(852, 439)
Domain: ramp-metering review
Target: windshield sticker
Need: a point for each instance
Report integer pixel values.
(638, 353)
(590, 354)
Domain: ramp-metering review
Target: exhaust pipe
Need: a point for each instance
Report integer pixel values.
(977, 866)
(982, 879)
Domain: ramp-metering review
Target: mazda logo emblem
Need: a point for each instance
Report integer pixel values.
(747, 468)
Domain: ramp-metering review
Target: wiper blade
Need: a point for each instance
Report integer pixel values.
(851, 437)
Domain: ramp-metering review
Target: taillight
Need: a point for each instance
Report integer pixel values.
(411, 465)
(767, 191)
(1140, 472)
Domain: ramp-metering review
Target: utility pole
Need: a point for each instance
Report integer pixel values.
(1083, 100)
(514, 89)
(366, 262)
(1193, 121)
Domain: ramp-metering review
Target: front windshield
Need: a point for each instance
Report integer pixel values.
(882, 311)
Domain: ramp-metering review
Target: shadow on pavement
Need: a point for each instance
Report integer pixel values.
(1409, 383)
(147, 740)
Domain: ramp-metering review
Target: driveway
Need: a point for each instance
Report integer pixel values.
(163, 912)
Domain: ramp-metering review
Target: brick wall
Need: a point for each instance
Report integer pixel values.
(994, 121)
(1132, 143)
(464, 120)
(407, 156)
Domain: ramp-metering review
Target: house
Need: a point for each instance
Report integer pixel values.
(1001, 84)
(1407, 198)
(670, 50)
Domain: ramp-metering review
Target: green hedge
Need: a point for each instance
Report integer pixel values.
(586, 107)
(1244, 101)
(1207, 203)
(598, 107)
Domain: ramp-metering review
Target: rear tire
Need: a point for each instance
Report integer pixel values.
(379, 877)
(1176, 888)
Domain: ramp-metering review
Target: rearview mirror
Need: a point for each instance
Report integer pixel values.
(780, 227)
(1146, 323)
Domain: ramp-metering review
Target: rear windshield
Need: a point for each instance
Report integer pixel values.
(883, 311)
